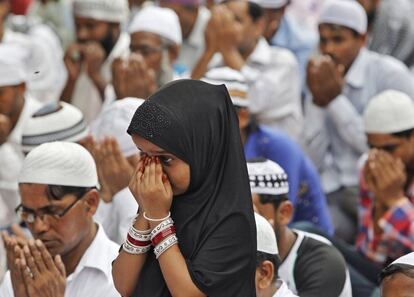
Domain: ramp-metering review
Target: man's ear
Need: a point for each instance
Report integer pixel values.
(284, 213)
(266, 272)
(92, 201)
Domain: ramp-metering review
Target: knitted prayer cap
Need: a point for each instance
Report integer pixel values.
(54, 122)
(234, 82)
(115, 11)
(267, 177)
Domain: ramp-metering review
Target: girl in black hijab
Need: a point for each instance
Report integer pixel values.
(193, 167)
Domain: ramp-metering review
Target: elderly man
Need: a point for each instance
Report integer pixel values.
(15, 109)
(155, 44)
(59, 198)
(267, 282)
(234, 39)
(310, 266)
(397, 280)
(193, 20)
(341, 83)
(99, 40)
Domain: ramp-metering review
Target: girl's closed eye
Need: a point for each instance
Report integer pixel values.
(166, 160)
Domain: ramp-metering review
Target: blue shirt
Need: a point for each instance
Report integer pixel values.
(305, 190)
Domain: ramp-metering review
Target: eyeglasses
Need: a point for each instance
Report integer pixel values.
(146, 51)
(29, 216)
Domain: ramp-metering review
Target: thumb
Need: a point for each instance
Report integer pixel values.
(60, 266)
(167, 185)
(341, 70)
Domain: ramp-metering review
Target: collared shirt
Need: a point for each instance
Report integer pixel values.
(11, 158)
(393, 30)
(299, 40)
(116, 217)
(272, 75)
(397, 226)
(193, 47)
(283, 290)
(305, 189)
(86, 96)
(334, 136)
(93, 275)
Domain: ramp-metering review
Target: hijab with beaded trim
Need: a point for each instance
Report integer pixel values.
(196, 122)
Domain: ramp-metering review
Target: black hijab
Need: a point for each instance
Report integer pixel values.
(216, 231)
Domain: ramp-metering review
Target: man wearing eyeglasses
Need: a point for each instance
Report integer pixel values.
(69, 255)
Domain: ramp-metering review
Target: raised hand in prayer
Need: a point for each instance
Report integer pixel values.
(43, 276)
(212, 30)
(93, 58)
(5, 128)
(385, 177)
(114, 168)
(152, 188)
(325, 80)
(73, 61)
(14, 250)
(133, 78)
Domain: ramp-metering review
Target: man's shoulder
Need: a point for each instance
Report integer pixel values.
(283, 56)
(384, 62)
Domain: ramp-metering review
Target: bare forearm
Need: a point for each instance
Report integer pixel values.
(176, 274)
(67, 92)
(127, 267)
(202, 65)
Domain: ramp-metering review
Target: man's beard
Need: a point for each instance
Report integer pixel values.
(108, 43)
(371, 15)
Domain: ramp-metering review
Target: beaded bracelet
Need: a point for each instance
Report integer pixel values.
(165, 245)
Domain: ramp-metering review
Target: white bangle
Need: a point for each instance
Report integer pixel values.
(156, 220)
(163, 225)
(135, 250)
(139, 235)
(165, 245)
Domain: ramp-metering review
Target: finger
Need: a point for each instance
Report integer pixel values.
(37, 256)
(60, 266)
(47, 258)
(147, 177)
(18, 231)
(152, 176)
(30, 262)
(26, 274)
(167, 185)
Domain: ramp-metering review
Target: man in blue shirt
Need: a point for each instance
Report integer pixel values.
(306, 192)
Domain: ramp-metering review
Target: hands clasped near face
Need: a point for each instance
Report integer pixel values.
(325, 80)
(151, 188)
(34, 272)
(385, 177)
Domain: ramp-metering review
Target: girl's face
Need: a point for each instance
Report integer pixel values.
(178, 171)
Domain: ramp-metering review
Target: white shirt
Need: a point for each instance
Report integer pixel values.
(11, 158)
(283, 290)
(86, 96)
(116, 217)
(334, 136)
(92, 277)
(272, 74)
(193, 47)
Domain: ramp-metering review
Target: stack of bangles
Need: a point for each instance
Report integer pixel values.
(162, 237)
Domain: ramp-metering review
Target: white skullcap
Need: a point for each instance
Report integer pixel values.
(267, 177)
(54, 122)
(160, 21)
(347, 13)
(407, 260)
(59, 163)
(114, 11)
(389, 112)
(114, 122)
(266, 238)
(234, 82)
(13, 71)
(272, 4)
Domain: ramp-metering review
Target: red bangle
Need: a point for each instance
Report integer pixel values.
(135, 242)
(163, 235)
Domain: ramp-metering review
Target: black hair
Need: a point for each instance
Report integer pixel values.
(255, 11)
(55, 192)
(404, 134)
(407, 270)
(275, 259)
